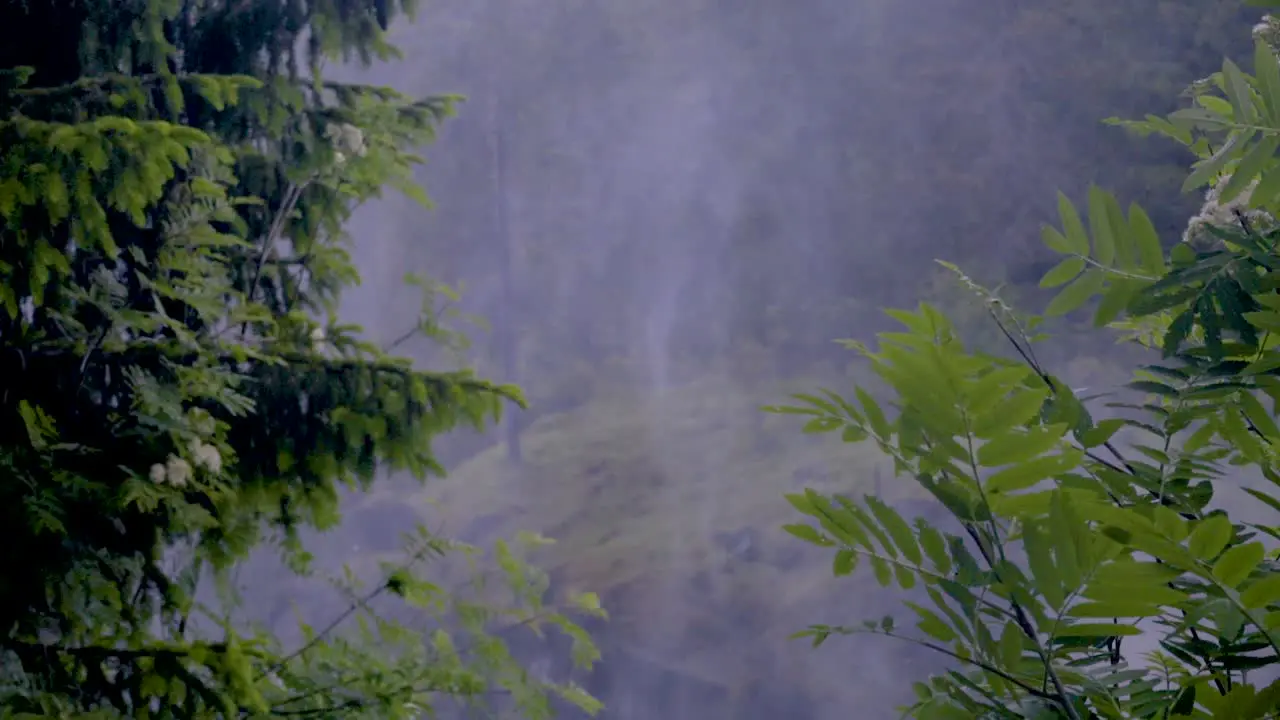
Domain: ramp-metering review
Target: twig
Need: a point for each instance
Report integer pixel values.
(292, 195)
(1029, 689)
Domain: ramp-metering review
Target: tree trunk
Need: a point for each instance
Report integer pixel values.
(508, 321)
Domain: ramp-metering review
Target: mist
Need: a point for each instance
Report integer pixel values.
(667, 212)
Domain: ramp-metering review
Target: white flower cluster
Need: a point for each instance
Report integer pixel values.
(1268, 31)
(1224, 215)
(347, 140)
(206, 456)
(176, 471)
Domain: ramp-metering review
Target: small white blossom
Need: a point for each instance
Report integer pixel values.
(178, 471)
(206, 456)
(210, 458)
(347, 139)
(158, 474)
(317, 335)
(1224, 215)
(1268, 30)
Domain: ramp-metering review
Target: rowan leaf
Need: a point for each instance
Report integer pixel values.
(1076, 294)
(1063, 273)
(1210, 537)
(1238, 563)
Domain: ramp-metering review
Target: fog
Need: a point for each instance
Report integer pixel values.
(674, 208)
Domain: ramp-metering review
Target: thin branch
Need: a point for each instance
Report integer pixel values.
(351, 609)
(1002, 674)
(291, 198)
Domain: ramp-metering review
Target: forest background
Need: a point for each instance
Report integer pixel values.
(663, 216)
(705, 196)
(656, 217)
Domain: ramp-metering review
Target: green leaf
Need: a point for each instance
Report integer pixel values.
(935, 547)
(1126, 249)
(1266, 499)
(1055, 240)
(789, 410)
(1198, 118)
(1237, 89)
(1104, 243)
(1101, 432)
(931, 624)
(962, 598)
(39, 428)
(801, 502)
(1027, 474)
(821, 425)
(883, 573)
(1147, 240)
(1067, 530)
(1076, 294)
(1211, 167)
(987, 395)
(1214, 105)
(1259, 157)
(153, 685)
(1016, 447)
(1040, 560)
(1265, 591)
(898, 529)
(1072, 228)
(1115, 300)
(1011, 645)
(809, 534)
(1268, 189)
(844, 563)
(1228, 617)
(1016, 410)
(1210, 536)
(1185, 702)
(1063, 272)
(853, 434)
(1124, 608)
(855, 519)
(1129, 583)
(875, 416)
(1258, 416)
(1098, 630)
(1236, 564)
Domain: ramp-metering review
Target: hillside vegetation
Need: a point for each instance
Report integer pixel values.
(668, 504)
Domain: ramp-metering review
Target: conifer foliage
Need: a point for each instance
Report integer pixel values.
(1098, 572)
(174, 385)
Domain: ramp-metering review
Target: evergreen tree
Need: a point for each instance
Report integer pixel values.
(176, 388)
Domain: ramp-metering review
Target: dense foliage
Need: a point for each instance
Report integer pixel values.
(175, 389)
(1094, 572)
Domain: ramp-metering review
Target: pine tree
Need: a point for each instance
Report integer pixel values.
(175, 384)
